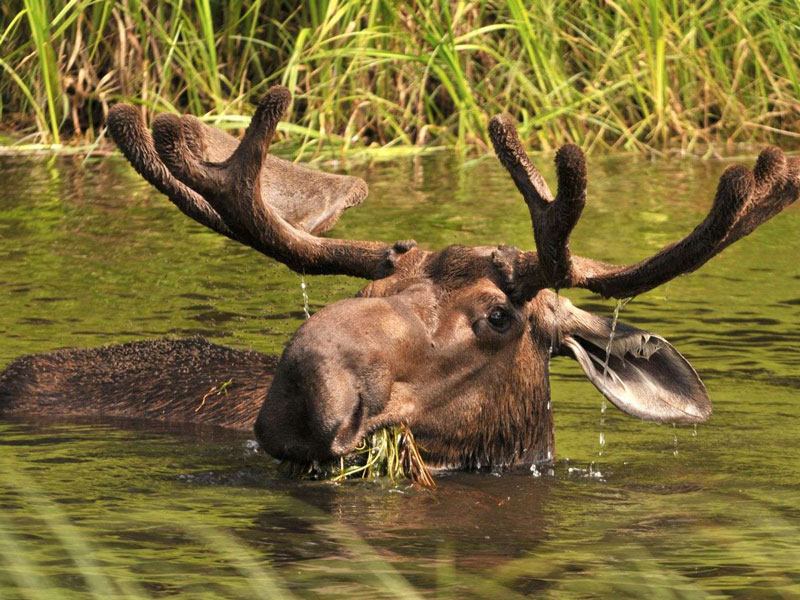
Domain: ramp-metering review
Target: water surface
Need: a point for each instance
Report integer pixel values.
(90, 254)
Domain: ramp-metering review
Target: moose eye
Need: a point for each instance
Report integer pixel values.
(499, 319)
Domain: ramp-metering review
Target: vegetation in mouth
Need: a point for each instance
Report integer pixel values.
(389, 452)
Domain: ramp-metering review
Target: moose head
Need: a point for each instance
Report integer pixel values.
(455, 344)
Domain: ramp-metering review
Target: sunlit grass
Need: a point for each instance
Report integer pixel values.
(637, 76)
(389, 452)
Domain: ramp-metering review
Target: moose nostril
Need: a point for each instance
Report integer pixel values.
(350, 431)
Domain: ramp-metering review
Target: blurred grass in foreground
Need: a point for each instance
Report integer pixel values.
(636, 76)
(62, 561)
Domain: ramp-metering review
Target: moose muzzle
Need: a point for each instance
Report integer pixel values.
(334, 382)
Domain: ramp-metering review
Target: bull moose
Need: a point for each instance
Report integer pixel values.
(454, 344)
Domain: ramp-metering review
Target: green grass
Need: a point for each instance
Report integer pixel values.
(389, 452)
(642, 75)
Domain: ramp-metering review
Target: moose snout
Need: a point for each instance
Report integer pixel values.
(302, 420)
(331, 384)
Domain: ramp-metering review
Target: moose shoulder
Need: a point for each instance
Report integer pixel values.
(455, 344)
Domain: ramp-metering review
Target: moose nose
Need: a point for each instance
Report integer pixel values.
(332, 378)
(315, 409)
(350, 431)
(311, 416)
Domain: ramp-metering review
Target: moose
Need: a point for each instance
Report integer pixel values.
(454, 344)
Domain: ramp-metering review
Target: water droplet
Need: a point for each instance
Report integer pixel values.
(620, 305)
(305, 296)
(603, 406)
(548, 408)
(251, 447)
(694, 430)
(594, 473)
(675, 440)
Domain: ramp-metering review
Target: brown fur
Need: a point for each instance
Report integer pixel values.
(163, 380)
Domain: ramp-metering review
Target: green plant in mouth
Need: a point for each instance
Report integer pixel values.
(389, 452)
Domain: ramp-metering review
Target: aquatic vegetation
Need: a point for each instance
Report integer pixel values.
(635, 76)
(215, 390)
(389, 452)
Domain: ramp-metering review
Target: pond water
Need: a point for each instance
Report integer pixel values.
(90, 254)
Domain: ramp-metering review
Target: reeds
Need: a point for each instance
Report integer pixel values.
(641, 75)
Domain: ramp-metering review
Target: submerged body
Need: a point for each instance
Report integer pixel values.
(505, 421)
(193, 381)
(176, 381)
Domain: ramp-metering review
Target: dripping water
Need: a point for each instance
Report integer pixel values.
(603, 406)
(694, 430)
(674, 439)
(553, 340)
(305, 296)
(617, 309)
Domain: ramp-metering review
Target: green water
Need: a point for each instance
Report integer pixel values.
(89, 254)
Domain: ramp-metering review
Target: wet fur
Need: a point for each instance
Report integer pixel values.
(162, 380)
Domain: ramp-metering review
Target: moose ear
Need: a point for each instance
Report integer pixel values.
(645, 376)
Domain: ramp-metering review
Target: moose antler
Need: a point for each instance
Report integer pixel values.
(743, 201)
(127, 128)
(237, 189)
(553, 219)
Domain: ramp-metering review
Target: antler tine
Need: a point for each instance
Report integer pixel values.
(233, 189)
(777, 185)
(250, 154)
(513, 157)
(126, 126)
(743, 201)
(181, 145)
(553, 219)
(563, 215)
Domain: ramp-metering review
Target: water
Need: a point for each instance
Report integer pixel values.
(303, 289)
(92, 255)
(603, 406)
(614, 320)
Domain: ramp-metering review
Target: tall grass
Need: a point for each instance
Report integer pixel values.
(640, 75)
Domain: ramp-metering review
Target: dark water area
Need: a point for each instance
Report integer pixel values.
(91, 255)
